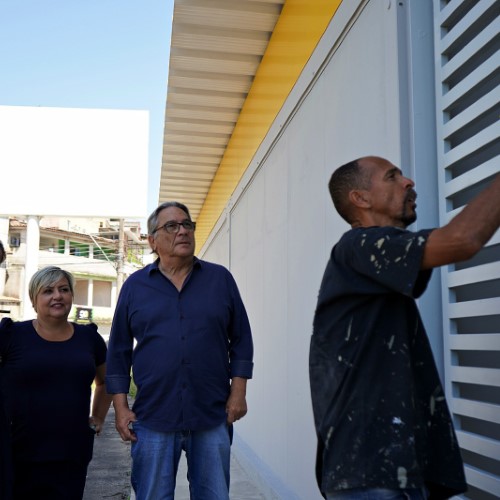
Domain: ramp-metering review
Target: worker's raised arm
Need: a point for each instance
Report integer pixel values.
(466, 233)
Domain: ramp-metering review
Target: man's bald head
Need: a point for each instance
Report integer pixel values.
(353, 175)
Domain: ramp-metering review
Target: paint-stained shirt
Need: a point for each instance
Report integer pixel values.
(183, 346)
(380, 412)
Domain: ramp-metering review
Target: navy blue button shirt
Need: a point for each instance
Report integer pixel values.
(183, 347)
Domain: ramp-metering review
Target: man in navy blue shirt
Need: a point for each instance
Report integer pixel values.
(182, 328)
(383, 425)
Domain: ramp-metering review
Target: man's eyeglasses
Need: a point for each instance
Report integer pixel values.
(172, 227)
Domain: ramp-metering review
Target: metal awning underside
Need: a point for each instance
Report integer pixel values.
(216, 49)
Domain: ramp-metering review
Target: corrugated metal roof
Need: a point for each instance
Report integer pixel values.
(216, 49)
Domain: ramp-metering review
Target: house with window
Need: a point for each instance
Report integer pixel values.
(88, 248)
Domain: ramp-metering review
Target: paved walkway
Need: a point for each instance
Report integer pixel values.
(109, 472)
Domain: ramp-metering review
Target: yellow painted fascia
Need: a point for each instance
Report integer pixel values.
(295, 36)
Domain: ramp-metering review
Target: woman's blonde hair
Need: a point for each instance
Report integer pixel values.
(47, 277)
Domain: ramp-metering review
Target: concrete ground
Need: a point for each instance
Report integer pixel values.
(109, 472)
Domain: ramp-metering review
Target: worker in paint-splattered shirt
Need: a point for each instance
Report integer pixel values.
(380, 413)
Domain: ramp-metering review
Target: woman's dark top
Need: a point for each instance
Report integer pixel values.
(47, 390)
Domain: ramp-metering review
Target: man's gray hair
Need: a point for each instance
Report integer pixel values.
(153, 218)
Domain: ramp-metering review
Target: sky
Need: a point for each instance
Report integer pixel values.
(105, 54)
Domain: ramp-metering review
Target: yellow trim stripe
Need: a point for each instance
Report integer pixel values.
(295, 36)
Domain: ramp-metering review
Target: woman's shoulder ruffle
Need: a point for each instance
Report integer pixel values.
(6, 323)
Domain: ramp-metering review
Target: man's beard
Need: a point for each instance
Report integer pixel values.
(406, 217)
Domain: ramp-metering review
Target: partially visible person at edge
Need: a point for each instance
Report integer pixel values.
(380, 413)
(49, 367)
(191, 361)
(5, 446)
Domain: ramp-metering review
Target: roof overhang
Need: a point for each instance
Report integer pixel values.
(232, 65)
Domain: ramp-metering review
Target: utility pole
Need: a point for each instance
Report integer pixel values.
(121, 257)
(31, 265)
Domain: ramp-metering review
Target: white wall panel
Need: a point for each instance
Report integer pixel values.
(346, 104)
(217, 249)
(283, 227)
(258, 259)
(307, 192)
(361, 93)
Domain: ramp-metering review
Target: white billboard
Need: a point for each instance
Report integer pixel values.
(73, 162)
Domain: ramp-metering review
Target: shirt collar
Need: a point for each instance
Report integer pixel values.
(154, 266)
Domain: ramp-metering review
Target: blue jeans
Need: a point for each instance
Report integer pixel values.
(378, 494)
(155, 459)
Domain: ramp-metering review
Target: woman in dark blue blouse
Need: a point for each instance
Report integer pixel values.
(49, 365)
(5, 452)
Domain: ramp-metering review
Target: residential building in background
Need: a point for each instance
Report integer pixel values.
(89, 248)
